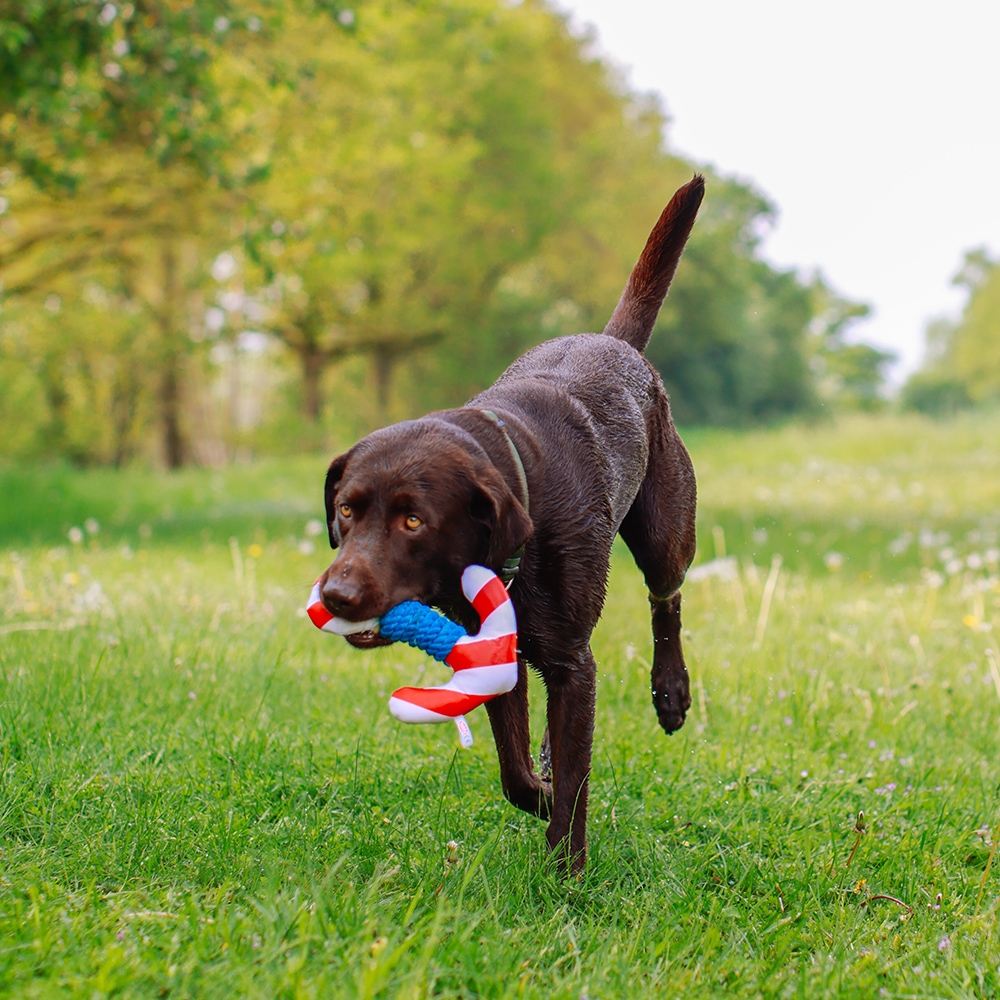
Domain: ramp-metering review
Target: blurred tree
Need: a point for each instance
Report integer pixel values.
(466, 178)
(963, 364)
(849, 374)
(974, 351)
(858, 374)
(417, 159)
(729, 341)
(76, 76)
(935, 393)
(736, 339)
(129, 134)
(82, 397)
(609, 179)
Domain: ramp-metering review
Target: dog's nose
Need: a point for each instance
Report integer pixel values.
(341, 596)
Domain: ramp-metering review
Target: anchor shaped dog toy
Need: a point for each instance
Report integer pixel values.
(485, 664)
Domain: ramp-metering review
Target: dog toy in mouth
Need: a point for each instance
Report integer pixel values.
(485, 664)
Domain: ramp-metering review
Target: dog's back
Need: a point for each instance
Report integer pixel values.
(599, 390)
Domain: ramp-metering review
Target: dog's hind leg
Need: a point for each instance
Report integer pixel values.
(509, 719)
(659, 530)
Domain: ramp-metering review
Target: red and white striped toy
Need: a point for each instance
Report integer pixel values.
(485, 664)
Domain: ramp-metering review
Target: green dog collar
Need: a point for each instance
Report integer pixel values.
(510, 567)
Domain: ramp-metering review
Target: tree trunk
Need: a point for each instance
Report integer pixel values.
(58, 400)
(124, 399)
(173, 443)
(313, 365)
(169, 390)
(129, 378)
(384, 359)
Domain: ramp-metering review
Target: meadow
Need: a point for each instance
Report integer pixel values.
(202, 796)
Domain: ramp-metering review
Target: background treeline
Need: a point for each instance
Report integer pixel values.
(231, 226)
(963, 357)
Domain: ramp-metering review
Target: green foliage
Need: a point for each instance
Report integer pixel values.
(964, 357)
(936, 394)
(429, 189)
(77, 75)
(203, 796)
(414, 162)
(83, 398)
(735, 340)
(731, 341)
(975, 345)
(601, 134)
(850, 375)
(121, 169)
(740, 340)
(860, 373)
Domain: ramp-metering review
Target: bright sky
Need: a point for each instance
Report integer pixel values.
(874, 125)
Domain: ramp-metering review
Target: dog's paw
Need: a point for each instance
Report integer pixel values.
(671, 699)
(533, 796)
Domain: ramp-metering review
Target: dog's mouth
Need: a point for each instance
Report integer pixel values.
(368, 639)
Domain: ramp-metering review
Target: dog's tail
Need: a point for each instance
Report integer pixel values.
(637, 309)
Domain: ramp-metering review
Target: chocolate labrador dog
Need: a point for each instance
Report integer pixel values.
(533, 478)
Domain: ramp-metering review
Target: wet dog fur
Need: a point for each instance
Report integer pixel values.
(411, 505)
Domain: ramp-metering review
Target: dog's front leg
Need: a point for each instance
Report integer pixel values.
(509, 719)
(571, 701)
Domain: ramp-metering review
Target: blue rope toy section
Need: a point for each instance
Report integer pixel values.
(422, 627)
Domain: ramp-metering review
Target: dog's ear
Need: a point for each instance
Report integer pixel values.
(495, 506)
(333, 477)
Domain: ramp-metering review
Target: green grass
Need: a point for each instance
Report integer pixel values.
(201, 796)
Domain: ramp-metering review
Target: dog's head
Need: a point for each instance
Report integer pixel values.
(409, 507)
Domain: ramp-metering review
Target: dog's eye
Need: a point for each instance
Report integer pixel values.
(413, 522)
(345, 510)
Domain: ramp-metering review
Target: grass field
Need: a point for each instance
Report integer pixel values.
(201, 796)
